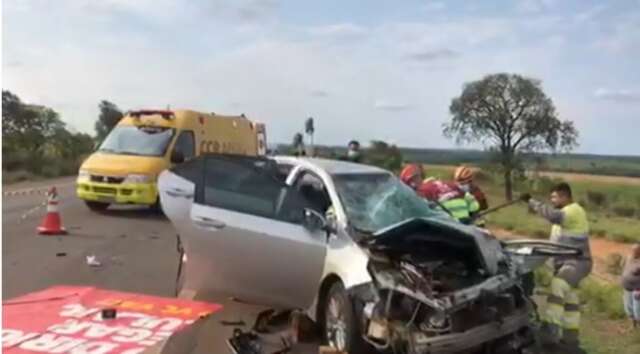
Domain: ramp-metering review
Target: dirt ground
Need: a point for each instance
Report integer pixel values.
(633, 181)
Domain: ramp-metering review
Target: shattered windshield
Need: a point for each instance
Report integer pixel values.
(376, 200)
(133, 140)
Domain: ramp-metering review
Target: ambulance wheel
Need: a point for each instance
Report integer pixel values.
(96, 206)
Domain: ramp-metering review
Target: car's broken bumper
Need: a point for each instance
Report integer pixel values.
(460, 342)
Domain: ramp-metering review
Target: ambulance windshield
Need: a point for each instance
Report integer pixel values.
(137, 140)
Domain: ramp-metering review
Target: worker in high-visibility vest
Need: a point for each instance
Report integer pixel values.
(561, 319)
(459, 203)
(463, 176)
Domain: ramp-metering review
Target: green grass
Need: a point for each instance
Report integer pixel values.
(600, 335)
(604, 327)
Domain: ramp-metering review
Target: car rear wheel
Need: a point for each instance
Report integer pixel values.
(341, 329)
(96, 206)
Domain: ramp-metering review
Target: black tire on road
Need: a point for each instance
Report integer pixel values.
(351, 341)
(96, 206)
(157, 207)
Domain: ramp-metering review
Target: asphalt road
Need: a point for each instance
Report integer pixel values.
(136, 248)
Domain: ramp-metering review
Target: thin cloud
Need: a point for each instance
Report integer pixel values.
(319, 93)
(617, 95)
(339, 30)
(256, 10)
(434, 6)
(433, 54)
(387, 105)
(533, 6)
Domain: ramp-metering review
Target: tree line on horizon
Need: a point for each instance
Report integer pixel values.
(508, 113)
(36, 141)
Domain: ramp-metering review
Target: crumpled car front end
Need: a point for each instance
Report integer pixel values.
(442, 288)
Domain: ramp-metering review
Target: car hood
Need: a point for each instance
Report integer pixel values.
(485, 248)
(121, 165)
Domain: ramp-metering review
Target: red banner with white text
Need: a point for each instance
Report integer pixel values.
(72, 320)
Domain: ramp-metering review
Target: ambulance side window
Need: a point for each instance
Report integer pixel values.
(186, 144)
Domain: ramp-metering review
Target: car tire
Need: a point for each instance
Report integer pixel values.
(96, 206)
(156, 207)
(341, 329)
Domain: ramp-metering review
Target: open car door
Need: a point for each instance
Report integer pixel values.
(177, 188)
(246, 235)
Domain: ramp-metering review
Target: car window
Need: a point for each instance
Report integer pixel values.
(374, 201)
(312, 189)
(191, 170)
(251, 186)
(284, 169)
(186, 144)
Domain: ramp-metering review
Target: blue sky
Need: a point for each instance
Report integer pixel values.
(374, 69)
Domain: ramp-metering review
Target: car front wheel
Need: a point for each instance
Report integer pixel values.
(341, 329)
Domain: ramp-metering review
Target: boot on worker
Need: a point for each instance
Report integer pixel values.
(561, 318)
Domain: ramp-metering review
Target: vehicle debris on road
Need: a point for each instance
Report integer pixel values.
(93, 261)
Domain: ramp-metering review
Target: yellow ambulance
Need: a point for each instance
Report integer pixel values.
(144, 143)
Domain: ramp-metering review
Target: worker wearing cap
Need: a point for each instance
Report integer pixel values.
(412, 175)
(463, 177)
(561, 320)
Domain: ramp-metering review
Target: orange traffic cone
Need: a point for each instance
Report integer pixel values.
(52, 225)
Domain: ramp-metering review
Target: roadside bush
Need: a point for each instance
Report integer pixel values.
(596, 198)
(16, 176)
(600, 233)
(14, 160)
(602, 297)
(624, 210)
(617, 237)
(540, 234)
(482, 176)
(59, 167)
(614, 263)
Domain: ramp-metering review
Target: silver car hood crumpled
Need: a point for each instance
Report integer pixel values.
(488, 248)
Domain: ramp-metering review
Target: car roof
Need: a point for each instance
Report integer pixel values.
(332, 167)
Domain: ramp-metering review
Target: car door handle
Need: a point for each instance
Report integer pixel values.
(208, 223)
(178, 193)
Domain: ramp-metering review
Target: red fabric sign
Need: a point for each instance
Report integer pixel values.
(69, 320)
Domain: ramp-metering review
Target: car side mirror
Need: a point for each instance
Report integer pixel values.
(177, 156)
(314, 221)
(332, 223)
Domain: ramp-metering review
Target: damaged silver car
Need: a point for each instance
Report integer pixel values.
(377, 267)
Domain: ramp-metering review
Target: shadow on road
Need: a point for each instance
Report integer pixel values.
(133, 213)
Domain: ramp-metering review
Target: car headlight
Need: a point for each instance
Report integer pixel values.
(137, 179)
(83, 175)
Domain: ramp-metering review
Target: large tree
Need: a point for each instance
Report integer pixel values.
(109, 116)
(25, 126)
(511, 115)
